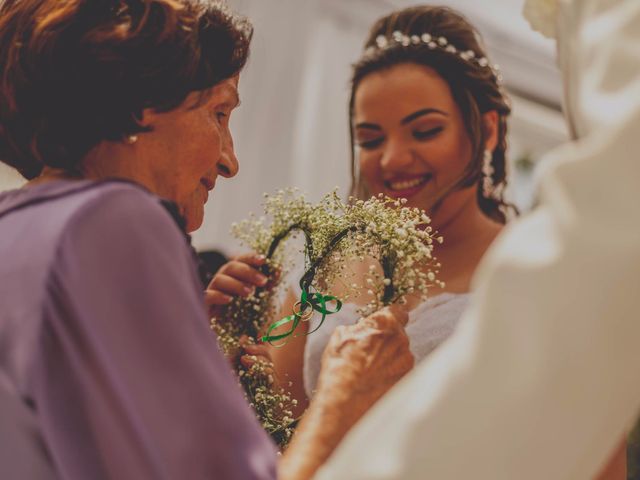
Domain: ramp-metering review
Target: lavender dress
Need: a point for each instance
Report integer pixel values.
(105, 349)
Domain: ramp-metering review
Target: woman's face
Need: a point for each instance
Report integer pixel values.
(188, 148)
(411, 139)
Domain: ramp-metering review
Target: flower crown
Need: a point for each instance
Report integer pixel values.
(399, 39)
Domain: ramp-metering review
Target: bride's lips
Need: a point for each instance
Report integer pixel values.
(406, 186)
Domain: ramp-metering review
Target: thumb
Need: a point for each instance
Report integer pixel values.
(387, 318)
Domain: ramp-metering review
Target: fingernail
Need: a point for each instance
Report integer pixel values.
(247, 290)
(261, 280)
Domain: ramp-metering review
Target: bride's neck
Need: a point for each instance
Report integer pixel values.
(467, 234)
(467, 225)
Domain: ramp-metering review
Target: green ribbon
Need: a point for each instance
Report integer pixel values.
(316, 301)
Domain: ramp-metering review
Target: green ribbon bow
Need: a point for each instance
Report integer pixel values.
(316, 301)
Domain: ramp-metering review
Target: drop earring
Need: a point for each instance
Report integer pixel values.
(487, 174)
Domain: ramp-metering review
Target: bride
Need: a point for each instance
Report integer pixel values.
(428, 123)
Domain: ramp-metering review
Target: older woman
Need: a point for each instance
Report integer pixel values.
(117, 112)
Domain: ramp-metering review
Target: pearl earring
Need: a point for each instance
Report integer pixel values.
(131, 139)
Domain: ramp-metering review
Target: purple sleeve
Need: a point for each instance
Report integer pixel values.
(129, 382)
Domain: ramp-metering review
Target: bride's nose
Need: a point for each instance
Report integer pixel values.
(396, 156)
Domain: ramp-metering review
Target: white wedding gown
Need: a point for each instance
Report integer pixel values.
(430, 324)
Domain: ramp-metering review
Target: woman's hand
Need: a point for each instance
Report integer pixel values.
(366, 359)
(236, 278)
(360, 364)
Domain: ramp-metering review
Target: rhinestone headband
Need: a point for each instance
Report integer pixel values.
(432, 42)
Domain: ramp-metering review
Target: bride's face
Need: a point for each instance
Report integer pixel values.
(411, 138)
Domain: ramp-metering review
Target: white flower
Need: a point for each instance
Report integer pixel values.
(542, 16)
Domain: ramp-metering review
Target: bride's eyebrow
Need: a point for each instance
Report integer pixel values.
(408, 119)
(420, 113)
(368, 126)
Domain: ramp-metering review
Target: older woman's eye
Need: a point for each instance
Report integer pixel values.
(427, 134)
(371, 144)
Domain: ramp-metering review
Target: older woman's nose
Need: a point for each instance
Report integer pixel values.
(228, 163)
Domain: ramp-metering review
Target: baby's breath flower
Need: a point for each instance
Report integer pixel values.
(381, 231)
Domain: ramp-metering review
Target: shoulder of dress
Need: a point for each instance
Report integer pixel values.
(122, 209)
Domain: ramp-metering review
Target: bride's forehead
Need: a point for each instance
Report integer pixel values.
(394, 91)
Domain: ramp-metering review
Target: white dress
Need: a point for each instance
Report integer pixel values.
(430, 323)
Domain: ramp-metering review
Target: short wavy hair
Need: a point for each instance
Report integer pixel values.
(74, 73)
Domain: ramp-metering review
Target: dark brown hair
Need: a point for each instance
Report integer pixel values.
(475, 89)
(77, 72)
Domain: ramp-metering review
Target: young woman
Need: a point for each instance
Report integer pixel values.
(428, 123)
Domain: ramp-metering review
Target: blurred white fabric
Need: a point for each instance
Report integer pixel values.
(540, 379)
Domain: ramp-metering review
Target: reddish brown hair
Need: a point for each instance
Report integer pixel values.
(77, 72)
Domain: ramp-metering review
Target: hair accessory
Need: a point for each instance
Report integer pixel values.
(399, 39)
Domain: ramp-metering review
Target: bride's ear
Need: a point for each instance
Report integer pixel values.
(491, 125)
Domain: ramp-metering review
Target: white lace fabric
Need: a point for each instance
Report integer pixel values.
(430, 324)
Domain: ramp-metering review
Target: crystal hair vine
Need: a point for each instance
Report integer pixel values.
(432, 42)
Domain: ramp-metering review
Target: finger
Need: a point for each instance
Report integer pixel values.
(399, 312)
(243, 272)
(253, 259)
(387, 318)
(249, 360)
(215, 297)
(230, 286)
(274, 275)
(259, 350)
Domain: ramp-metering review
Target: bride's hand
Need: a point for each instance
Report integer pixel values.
(236, 278)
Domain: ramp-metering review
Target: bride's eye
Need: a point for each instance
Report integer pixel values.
(427, 134)
(371, 144)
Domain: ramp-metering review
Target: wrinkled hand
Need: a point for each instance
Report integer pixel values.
(366, 359)
(360, 364)
(236, 278)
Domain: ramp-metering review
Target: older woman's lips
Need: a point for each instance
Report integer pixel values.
(208, 183)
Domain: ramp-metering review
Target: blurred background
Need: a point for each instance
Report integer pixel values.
(292, 127)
